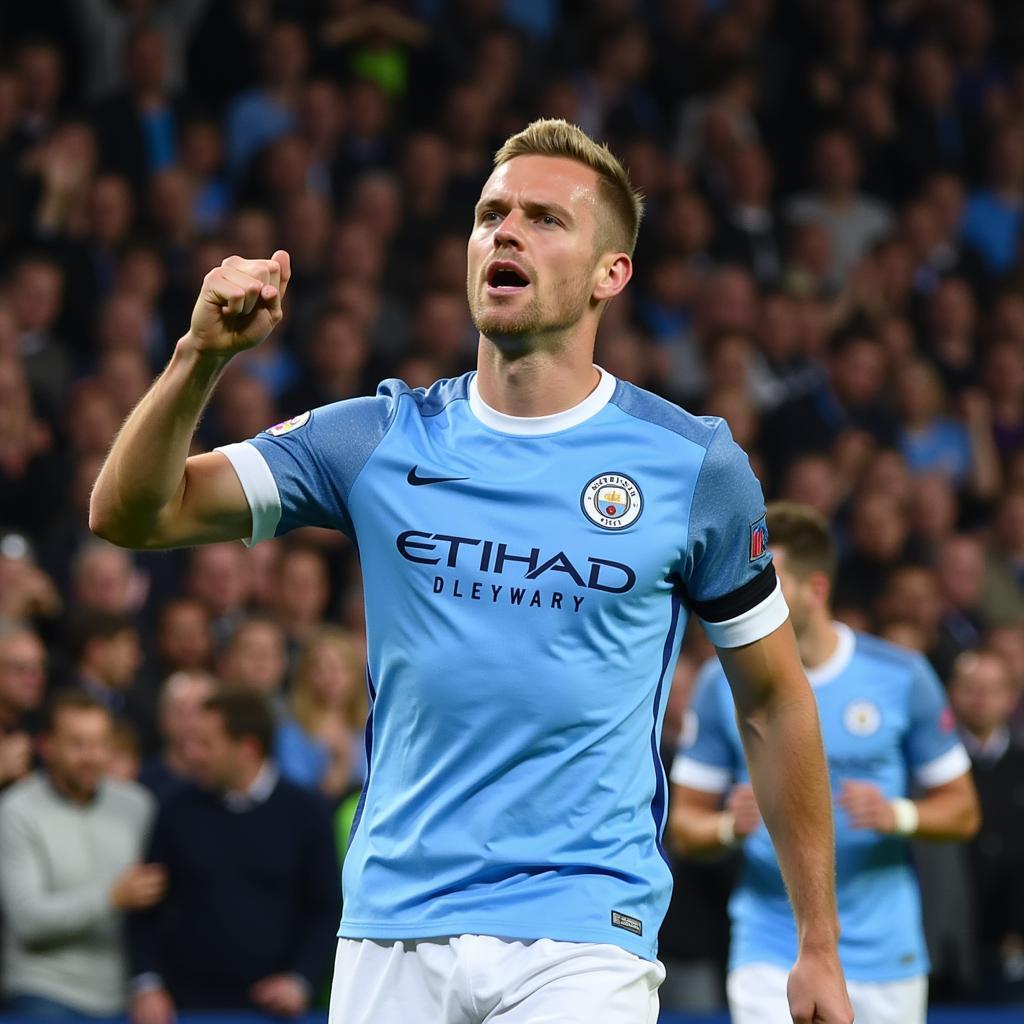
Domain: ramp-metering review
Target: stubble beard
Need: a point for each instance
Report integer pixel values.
(530, 327)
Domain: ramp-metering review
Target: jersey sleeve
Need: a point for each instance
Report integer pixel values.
(727, 571)
(299, 472)
(706, 759)
(934, 751)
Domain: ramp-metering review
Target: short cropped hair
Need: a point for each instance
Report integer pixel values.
(96, 625)
(556, 137)
(245, 716)
(71, 699)
(804, 534)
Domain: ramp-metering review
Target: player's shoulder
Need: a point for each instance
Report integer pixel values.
(649, 408)
(380, 410)
(883, 654)
(425, 401)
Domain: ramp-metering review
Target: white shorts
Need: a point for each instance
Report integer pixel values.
(757, 995)
(480, 979)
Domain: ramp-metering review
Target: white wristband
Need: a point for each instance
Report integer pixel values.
(727, 828)
(906, 815)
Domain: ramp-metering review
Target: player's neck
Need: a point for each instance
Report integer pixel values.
(817, 642)
(536, 384)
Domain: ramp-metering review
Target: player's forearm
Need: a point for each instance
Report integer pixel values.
(699, 832)
(790, 779)
(947, 817)
(144, 472)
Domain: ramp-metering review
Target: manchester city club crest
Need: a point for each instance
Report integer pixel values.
(612, 501)
(862, 718)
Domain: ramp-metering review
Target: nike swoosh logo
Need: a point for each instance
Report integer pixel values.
(419, 481)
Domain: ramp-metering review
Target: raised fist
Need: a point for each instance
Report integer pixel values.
(240, 303)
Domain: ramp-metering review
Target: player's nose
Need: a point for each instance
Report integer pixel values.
(509, 232)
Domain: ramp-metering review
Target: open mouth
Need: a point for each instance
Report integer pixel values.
(505, 276)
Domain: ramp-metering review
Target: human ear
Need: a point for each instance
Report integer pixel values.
(614, 272)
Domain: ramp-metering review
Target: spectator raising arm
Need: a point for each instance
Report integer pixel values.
(149, 493)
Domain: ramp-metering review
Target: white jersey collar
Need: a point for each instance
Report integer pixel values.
(837, 661)
(532, 426)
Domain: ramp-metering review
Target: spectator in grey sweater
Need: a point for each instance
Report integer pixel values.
(70, 841)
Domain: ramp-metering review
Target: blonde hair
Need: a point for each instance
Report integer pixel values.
(556, 137)
(306, 706)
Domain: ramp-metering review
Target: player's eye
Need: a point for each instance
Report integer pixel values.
(489, 217)
(550, 222)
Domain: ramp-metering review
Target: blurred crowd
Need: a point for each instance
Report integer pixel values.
(831, 260)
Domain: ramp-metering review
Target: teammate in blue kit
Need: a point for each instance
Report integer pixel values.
(885, 723)
(533, 538)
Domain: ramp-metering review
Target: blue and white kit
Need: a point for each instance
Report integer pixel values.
(527, 583)
(885, 720)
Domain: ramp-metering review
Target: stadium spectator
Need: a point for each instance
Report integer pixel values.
(30, 468)
(22, 688)
(1003, 372)
(984, 695)
(181, 702)
(255, 660)
(106, 30)
(184, 640)
(302, 590)
(993, 215)
(934, 511)
(879, 545)
(319, 742)
(138, 128)
(960, 570)
(103, 579)
(36, 293)
(931, 441)
(853, 221)
(850, 401)
(40, 71)
(70, 842)
(218, 579)
(26, 592)
(252, 879)
(258, 116)
(107, 658)
(749, 231)
(912, 594)
(1003, 601)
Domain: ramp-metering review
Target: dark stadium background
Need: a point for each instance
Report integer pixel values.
(831, 260)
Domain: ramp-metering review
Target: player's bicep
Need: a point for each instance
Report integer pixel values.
(210, 506)
(960, 789)
(730, 581)
(765, 671)
(933, 749)
(686, 800)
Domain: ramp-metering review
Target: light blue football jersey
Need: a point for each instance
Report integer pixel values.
(527, 582)
(885, 720)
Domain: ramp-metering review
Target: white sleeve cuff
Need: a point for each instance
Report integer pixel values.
(751, 625)
(697, 775)
(949, 766)
(260, 488)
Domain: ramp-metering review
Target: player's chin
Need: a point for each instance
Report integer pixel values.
(496, 322)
